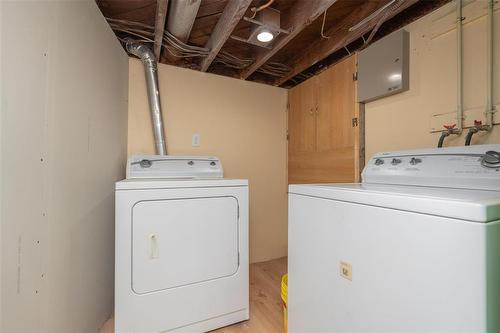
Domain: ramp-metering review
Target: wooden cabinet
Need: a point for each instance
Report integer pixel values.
(325, 138)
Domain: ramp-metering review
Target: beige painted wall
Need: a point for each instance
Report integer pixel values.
(403, 121)
(63, 103)
(241, 122)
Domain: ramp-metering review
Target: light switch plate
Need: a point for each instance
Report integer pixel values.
(195, 141)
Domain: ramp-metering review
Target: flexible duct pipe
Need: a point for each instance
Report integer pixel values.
(443, 136)
(150, 69)
(468, 138)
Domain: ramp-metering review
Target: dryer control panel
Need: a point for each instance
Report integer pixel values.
(169, 166)
(472, 167)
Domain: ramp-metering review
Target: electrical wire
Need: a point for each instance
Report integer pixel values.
(179, 49)
(394, 6)
(323, 26)
(171, 43)
(255, 10)
(232, 61)
(371, 16)
(275, 69)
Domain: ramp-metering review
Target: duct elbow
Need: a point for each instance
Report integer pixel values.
(141, 51)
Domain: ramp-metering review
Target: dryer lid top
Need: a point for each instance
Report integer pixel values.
(169, 166)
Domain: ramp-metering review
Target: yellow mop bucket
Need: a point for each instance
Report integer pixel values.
(284, 297)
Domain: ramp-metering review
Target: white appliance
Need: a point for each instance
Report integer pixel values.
(181, 262)
(414, 248)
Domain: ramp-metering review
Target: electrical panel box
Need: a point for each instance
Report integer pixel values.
(383, 67)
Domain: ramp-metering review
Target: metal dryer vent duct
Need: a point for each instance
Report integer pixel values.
(150, 70)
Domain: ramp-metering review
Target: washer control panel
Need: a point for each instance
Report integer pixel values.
(474, 167)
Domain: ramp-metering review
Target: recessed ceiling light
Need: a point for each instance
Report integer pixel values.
(265, 36)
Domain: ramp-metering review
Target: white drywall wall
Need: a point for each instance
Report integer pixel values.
(63, 145)
(404, 121)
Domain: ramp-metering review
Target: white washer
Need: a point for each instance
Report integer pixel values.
(414, 248)
(181, 262)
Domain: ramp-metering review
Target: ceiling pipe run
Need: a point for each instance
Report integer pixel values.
(460, 79)
(150, 70)
(181, 16)
(490, 109)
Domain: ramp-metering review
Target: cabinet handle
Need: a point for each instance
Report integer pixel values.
(317, 110)
(311, 111)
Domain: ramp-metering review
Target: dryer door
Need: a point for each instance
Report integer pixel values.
(180, 242)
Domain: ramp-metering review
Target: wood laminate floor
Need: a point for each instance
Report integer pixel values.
(266, 309)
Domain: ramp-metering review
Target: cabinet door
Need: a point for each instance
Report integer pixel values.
(333, 156)
(301, 118)
(336, 107)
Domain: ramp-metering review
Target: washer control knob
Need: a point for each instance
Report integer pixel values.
(491, 159)
(415, 161)
(395, 161)
(190, 163)
(379, 161)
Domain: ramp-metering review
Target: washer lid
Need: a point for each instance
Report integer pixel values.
(159, 183)
(471, 205)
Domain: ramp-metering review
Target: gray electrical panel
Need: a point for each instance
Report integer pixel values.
(383, 67)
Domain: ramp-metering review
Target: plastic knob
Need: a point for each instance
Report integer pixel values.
(395, 161)
(379, 161)
(145, 163)
(415, 161)
(491, 159)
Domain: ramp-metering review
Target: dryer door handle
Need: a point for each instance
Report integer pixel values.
(154, 252)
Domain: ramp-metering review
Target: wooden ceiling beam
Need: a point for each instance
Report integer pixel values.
(339, 36)
(161, 15)
(232, 14)
(301, 14)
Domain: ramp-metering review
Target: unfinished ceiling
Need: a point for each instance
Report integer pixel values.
(213, 35)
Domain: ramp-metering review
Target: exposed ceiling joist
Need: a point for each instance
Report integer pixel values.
(306, 51)
(339, 37)
(232, 14)
(301, 14)
(161, 15)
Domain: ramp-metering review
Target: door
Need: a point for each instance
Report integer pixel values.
(180, 242)
(302, 117)
(325, 137)
(336, 107)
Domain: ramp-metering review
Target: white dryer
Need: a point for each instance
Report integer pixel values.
(414, 248)
(181, 262)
